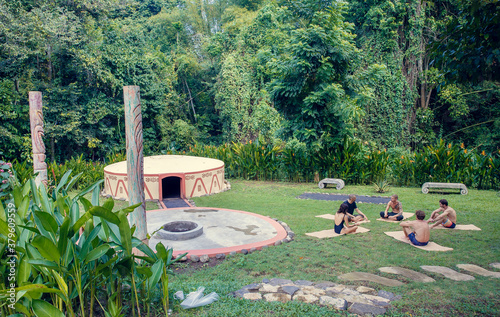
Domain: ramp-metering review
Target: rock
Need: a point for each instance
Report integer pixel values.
(496, 265)
(239, 293)
(277, 243)
(284, 225)
(289, 289)
(325, 285)
(280, 281)
(204, 258)
(364, 289)
(306, 298)
(264, 247)
(303, 282)
(413, 275)
(283, 241)
(253, 296)
(244, 251)
(220, 256)
(366, 309)
(335, 290)
(381, 301)
(252, 250)
(183, 259)
(252, 287)
(291, 234)
(361, 276)
(194, 258)
(268, 288)
(288, 239)
(386, 294)
(338, 303)
(447, 272)
(312, 290)
(265, 280)
(277, 297)
(232, 253)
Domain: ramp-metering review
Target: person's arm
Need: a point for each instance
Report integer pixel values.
(440, 218)
(400, 208)
(346, 222)
(431, 219)
(362, 214)
(387, 209)
(405, 224)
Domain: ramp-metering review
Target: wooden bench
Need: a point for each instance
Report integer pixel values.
(337, 181)
(462, 187)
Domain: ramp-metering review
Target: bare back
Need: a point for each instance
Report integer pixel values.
(421, 229)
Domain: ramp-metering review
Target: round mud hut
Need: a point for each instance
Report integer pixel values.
(169, 176)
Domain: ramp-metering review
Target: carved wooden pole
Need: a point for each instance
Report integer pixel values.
(135, 159)
(36, 123)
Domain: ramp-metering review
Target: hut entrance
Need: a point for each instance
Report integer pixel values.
(171, 187)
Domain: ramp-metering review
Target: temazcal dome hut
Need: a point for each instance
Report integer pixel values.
(169, 176)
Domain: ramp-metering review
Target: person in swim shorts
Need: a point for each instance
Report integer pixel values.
(417, 231)
(397, 209)
(444, 215)
(351, 203)
(341, 221)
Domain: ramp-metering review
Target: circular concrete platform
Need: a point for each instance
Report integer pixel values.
(225, 230)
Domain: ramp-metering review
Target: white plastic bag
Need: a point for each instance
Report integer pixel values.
(196, 299)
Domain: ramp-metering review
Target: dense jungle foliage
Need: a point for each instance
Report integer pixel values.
(392, 74)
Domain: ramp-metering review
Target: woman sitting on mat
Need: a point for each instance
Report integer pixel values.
(342, 221)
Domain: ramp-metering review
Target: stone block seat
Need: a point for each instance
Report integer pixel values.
(336, 181)
(427, 185)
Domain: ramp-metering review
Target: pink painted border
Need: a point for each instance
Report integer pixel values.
(281, 234)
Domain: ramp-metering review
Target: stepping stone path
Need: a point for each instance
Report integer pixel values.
(447, 272)
(413, 275)
(359, 300)
(495, 265)
(478, 270)
(361, 276)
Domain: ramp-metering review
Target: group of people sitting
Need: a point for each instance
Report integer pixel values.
(417, 231)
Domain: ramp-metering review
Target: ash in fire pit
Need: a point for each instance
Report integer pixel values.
(180, 230)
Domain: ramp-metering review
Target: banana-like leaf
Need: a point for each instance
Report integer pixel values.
(46, 248)
(62, 244)
(105, 214)
(125, 234)
(86, 203)
(108, 204)
(47, 220)
(33, 287)
(63, 287)
(23, 271)
(63, 181)
(156, 271)
(125, 266)
(44, 263)
(34, 190)
(4, 227)
(161, 252)
(23, 311)
(44, 199)
(86, 241)
(102, 266)
(97, 253)
(73, 180)
(44, 309)
(144, 270)
(95, 196)
(63, 207)
(87, 190)
(79, 223)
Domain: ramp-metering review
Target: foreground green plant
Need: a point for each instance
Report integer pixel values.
(68, 258)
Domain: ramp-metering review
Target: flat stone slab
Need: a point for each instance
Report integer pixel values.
(362, 276)
(413, 275)
(478, 270)
(448, 273)
(496, 265)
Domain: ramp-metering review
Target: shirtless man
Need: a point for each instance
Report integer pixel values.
(351, 203)
(417, 231)
(397, 209)
(447, 218)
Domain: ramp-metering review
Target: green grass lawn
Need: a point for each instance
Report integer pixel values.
(313, 259)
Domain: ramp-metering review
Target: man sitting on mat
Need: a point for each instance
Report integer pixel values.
(342, 221)
(447, 219)
(351, 204)
(417, 230)
(397, 210)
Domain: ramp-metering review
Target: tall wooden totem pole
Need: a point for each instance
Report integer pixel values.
(135, 159)
(36, 123)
